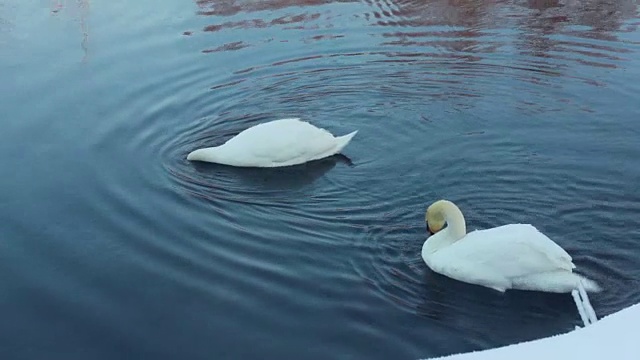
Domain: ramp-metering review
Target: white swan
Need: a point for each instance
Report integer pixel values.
(283, 142)
(514, 256)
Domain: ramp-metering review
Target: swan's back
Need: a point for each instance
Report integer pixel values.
(290, 130)
(282, 142)
(502, 256)
(530, 240)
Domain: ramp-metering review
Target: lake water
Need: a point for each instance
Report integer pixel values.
(113, 246)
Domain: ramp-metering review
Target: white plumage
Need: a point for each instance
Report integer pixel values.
(514, 256)
(283, 142)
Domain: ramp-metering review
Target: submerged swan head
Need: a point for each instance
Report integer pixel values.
(444, 212)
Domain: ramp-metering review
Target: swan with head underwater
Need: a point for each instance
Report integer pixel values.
(513, 256)
(277, 143)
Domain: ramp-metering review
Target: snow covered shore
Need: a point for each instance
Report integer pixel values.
(614, 337)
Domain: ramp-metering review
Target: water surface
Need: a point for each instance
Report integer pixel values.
(114, 246)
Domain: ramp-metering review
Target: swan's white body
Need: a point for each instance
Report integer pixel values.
(515, 256)
(277, 143)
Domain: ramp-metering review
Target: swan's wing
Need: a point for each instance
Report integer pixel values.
(531, 240)
(504, 253)
(283, 140)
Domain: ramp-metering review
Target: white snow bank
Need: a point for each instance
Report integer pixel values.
(614, 337)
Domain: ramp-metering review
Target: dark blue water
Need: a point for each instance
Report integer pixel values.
(113, 246)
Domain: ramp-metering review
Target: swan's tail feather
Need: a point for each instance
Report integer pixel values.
(580, 307)
(587, 304)
(344, 140)
(580, 297)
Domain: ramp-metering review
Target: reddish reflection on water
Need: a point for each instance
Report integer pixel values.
(465, 28)
(237, 45)
(607, 15)
(232, 7)
(259, 23)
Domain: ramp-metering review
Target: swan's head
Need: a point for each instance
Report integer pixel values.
(435, 216)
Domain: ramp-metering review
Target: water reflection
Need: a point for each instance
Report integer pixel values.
(5, 25)
(469, 14)
(603, 16)
(233, 7)
(455, 48)
(269, 180)
(545, 30)
(259, 23)
(467, 30)
(236, 45)
(79, 10)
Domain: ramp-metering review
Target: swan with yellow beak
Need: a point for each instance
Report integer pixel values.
(513, 256)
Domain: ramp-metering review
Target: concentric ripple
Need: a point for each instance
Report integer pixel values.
(450, 101)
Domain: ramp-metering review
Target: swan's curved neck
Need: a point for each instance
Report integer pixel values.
(210, 154)
(456, 226)
(456, 229)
